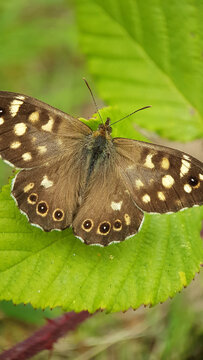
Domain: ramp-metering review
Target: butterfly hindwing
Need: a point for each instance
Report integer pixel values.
(160, 179)
(107, 213)
(49, 195)
(32, 132)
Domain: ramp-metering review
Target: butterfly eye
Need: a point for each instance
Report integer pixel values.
(87, 225)
(1, 111)
(42, 208)
(117, 226)
(58, 215)
(104, 228)
(193, 181)
(32, 198)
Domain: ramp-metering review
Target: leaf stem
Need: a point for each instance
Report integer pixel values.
(45, 337)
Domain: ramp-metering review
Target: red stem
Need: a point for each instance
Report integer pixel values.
(45, 337)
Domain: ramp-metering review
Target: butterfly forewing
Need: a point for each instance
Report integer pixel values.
(160, 179)
(32, 132)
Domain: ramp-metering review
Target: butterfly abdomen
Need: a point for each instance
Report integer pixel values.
(99, 150)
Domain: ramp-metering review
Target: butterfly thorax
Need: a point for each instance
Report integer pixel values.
(99, 147)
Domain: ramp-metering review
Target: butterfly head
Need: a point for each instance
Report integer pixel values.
(104, 130)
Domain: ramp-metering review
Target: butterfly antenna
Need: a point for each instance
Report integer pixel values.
(93, 98)
(145, 107)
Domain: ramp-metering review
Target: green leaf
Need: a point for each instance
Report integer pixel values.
(148, 53)
(56, 269)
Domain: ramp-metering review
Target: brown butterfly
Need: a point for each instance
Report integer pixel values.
(99, 185)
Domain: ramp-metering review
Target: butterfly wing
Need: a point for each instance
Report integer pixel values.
(46, 143)
(159, 179)
(108, 213)
(50, 195)
(32, 132)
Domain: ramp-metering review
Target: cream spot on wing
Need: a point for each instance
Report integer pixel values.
(201, 176)
(28, 187)
(1, 121)
(49, 125)
(46, 182)
(184, 168)
(15, 106)
(148, 161)
(59, 141)
(146, 198)
(20, 129)
(168, 181)
(138, 184)
(15, 145)
(127, 219)
(20, 97)
(34, 139)
(165, 164)
(27, 156)
(116, 205)
(178, 202)
(34, 117)
(186, 157)
(42, 149)
(130, 167)
(161, 196)
(187, 188)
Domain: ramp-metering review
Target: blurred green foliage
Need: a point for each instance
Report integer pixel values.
(27, 313)
(40, 55)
